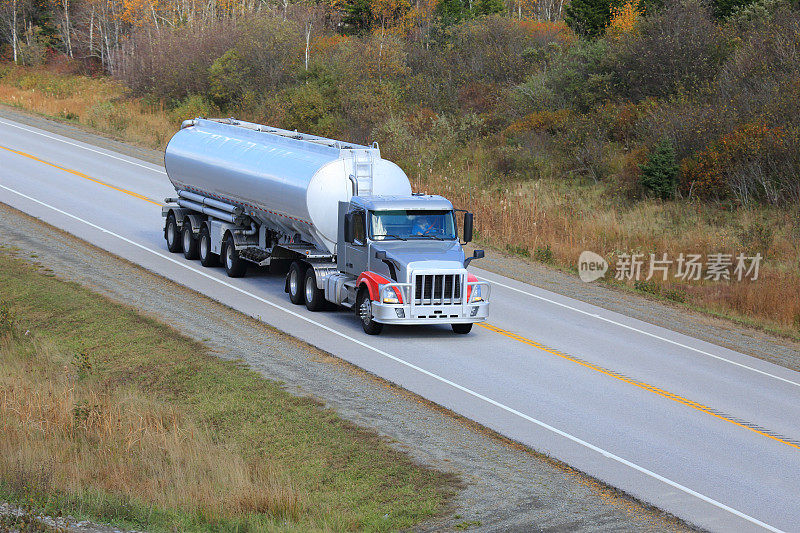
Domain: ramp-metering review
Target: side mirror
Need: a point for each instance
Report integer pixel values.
(468, 218)
(348, 227)
(477, 254)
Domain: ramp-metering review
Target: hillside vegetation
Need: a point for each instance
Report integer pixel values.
(619, 127)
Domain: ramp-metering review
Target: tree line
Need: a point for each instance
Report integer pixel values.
(662, 98)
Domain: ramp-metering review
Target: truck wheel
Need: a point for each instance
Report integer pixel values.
(315, 298)
(172, 235)
(461, 329)
(294, 283)
(188, 241)
(364, 312)
(235, 266)
(207, 257)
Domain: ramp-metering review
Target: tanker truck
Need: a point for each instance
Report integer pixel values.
(341, 221)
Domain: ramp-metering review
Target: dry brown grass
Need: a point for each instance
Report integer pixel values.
(99, 103)
(63, 431)
(532, 216)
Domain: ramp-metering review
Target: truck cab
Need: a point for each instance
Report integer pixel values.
(406, 258)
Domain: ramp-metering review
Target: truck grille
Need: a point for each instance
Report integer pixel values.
(437, 289)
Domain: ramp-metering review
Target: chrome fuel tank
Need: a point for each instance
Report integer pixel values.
(292, 182)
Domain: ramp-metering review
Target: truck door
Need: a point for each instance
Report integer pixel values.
(356, 258)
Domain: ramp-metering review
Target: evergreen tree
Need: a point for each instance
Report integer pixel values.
(489, 7)
(452, 12)
(357, 16)
(589, 17)
(659, 174)
(725, 8)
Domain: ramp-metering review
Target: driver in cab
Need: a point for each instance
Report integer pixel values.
(424, 225)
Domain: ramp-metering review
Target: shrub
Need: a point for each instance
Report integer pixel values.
(171, 62)
(192, 107)
(228, 79)
(647, 287)
(677, 49)
(757, 237)
(725, 8)
(576, 78)
(660, 171)
(543, 254)
(752, 163)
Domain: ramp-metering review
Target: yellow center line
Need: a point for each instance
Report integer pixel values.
(82, 175)
(640, 384)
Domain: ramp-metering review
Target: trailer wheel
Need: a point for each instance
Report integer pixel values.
(364, 312)
(235, 266)
(294, 283)
(207, 257)
(315, 298)
(172, 234)
(461, 329)
(188, 241)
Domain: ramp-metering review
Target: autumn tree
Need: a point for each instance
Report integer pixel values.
(623, 18)
(12, 16)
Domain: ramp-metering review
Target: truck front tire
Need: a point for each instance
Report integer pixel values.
(364, 313)
(461, 329)
(172, 234)
(188, 241)
(235, 266)
(294, 282)
(315, 298)
(207, 257)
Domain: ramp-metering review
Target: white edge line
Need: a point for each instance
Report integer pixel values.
(593, 315)
(80, 145)
(446, 381)
(653, 335)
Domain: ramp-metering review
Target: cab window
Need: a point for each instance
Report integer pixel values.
(359, 228)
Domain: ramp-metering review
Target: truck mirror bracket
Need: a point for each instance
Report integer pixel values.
(477, 254)
(381, 256)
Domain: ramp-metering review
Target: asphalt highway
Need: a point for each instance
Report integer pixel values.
(701, 431)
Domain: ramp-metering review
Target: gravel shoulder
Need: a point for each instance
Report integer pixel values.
(505, 486)
(752, 341)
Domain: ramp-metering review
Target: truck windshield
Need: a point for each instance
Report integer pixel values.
(408, 224)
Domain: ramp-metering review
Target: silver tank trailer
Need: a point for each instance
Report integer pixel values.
(290, 181)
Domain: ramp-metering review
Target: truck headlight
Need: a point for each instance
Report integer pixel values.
(476, 293)
(388, 296)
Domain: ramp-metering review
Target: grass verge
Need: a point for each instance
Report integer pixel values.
(109, 415)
